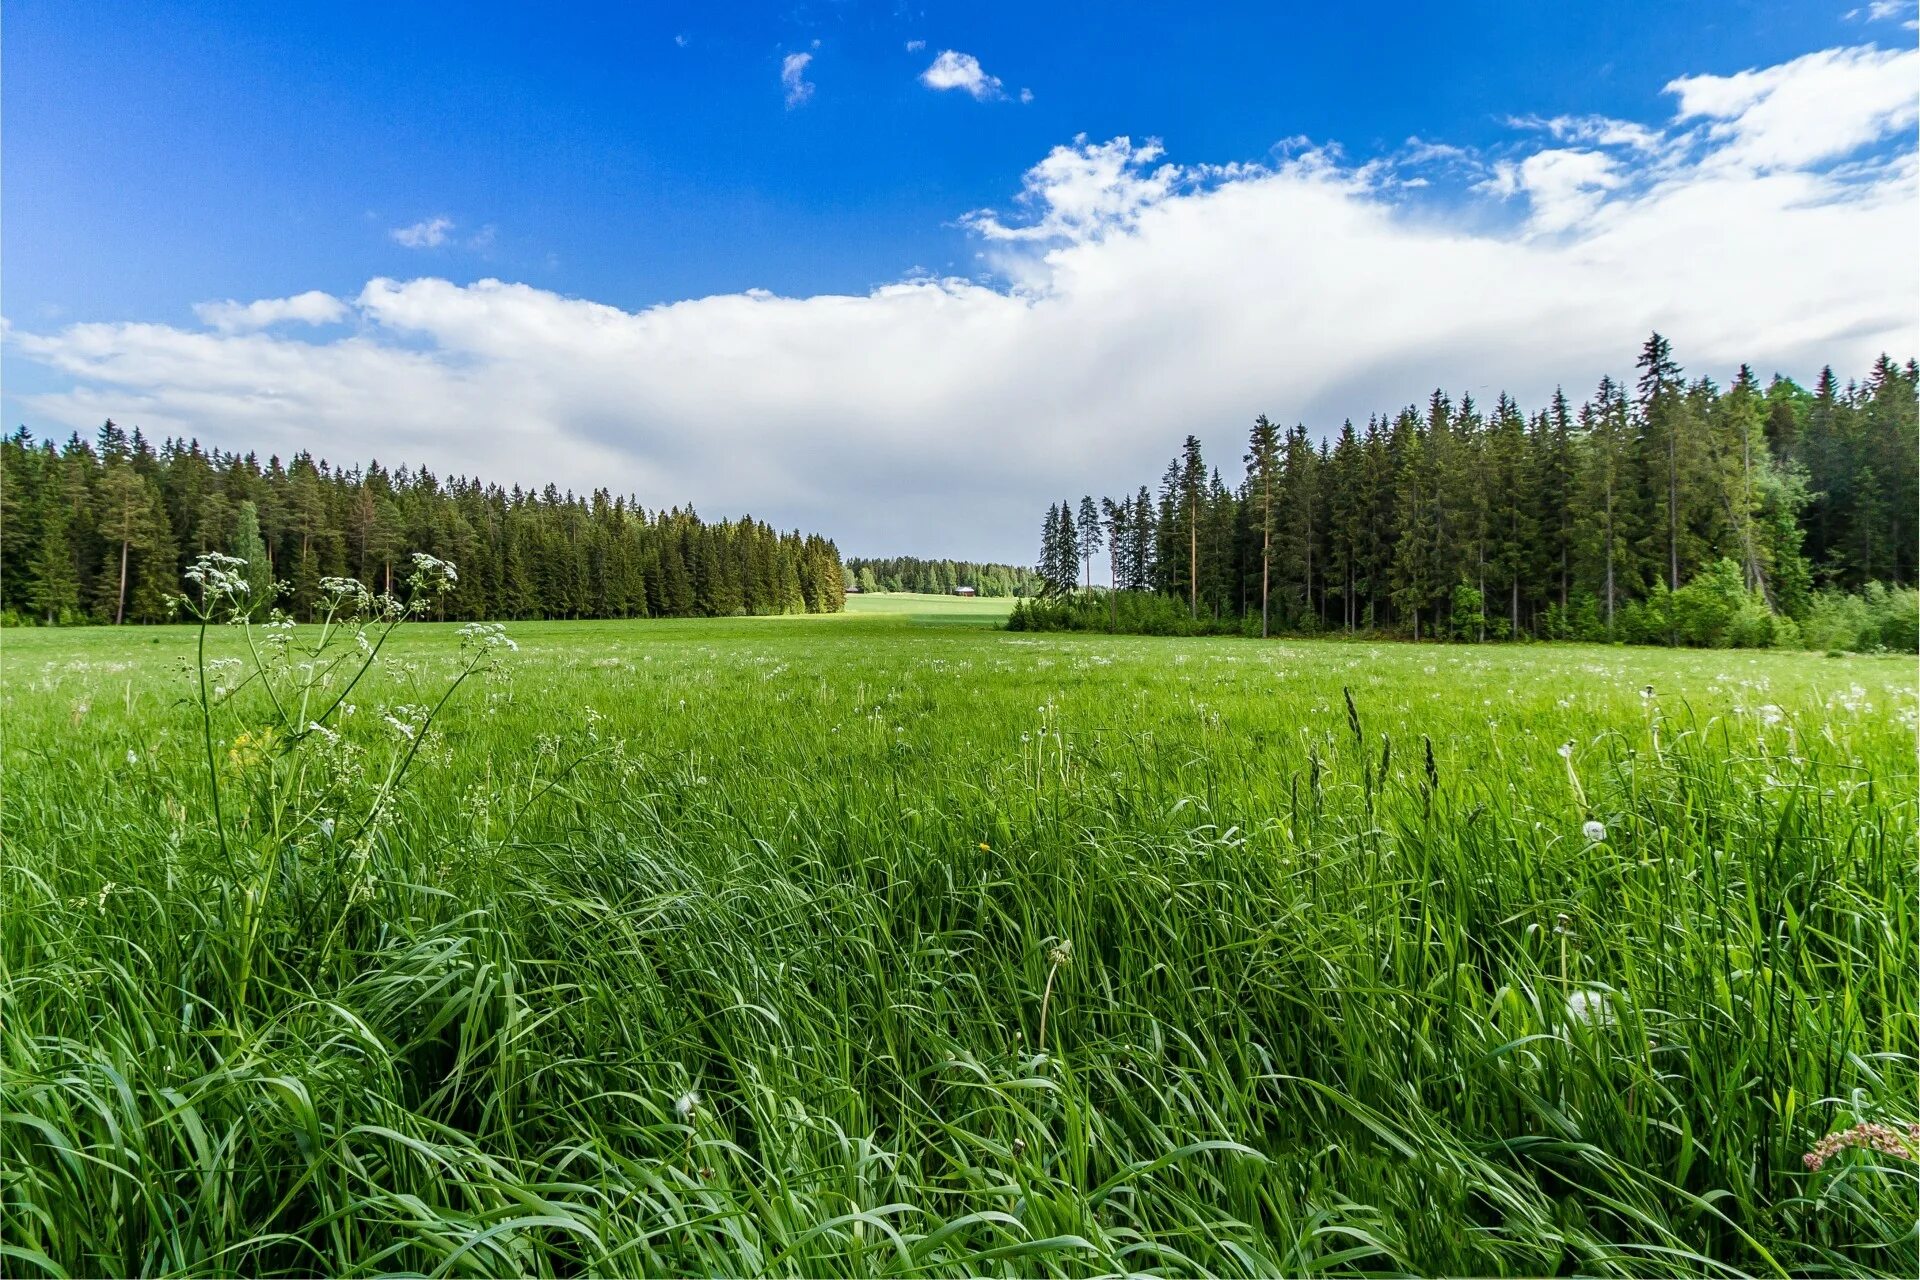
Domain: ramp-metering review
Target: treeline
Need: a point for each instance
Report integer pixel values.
(99, 532)
(1671, 511)
(911, 573)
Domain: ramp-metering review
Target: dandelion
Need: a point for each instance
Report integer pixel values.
(1884, 1139)
(1057, 959)
(1590, 1008)
(1594, 831)
(133, 757)
(985, 847)
(1573, 776)
(686, 1104)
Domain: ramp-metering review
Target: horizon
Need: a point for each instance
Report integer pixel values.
(908, 296)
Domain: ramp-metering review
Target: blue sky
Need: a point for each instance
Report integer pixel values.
(604, 161)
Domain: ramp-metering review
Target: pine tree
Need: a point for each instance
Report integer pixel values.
(248, 545)
(1263, 474)
(1087, 534)
(126, 524)
(54, 593)
(1662, 416)
(1192, 494)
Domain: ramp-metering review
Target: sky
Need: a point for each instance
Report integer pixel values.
(906, 274)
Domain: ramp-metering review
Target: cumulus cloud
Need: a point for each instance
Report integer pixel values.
(1132, 298)
(428, 233)
(793, 79)
(311, 307)
(951, 70)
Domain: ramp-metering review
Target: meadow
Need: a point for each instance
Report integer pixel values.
(890, 943)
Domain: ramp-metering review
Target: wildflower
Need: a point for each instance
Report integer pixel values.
(251, 748)
(686, 1104)
(1885, 1139)
(1589, 1008)
(1566, 750)
(133, 757)
(219, 576)
(1594, 831)
(985, 847)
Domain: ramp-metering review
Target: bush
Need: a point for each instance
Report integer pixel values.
(1139, 613)
(1879, 618)
(1707, 610)
(1468, 620)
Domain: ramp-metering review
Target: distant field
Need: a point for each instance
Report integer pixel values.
(726, 947)
(928, 608)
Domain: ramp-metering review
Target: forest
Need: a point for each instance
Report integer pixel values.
(101, 532)
(938, 577)
(1668, 511)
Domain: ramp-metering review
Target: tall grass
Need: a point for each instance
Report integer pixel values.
(726, 948)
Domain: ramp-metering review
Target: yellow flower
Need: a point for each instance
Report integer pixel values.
(985, 847)
(250, 748)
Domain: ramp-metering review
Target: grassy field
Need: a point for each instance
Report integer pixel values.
(954, 610)
(895, 944)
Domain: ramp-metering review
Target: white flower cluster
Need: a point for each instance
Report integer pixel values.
(431, 576)
(218, 576)
(486, 639)
(347, 595)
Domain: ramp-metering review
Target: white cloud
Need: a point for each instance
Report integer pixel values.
(1566, 187)
(951, 70)
(1138, 299)
(915, 46)
(793, 78)
(1081, 192)
(1819, 107)
(311, 307)
(1597, 130)
(1881, 10)
(428, 233)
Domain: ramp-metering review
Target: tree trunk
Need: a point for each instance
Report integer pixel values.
(120, 606)
(1673, 511)
(1266, 573)
(1193, 559)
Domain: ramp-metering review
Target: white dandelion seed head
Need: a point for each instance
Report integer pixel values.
(687, 1103)
(1566, 749)
(1590, 1008)
(1594, 831)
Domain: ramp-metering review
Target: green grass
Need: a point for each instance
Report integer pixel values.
(954, 610)
(1320, 1012)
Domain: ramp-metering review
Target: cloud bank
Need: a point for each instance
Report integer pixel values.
(1129, 299)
